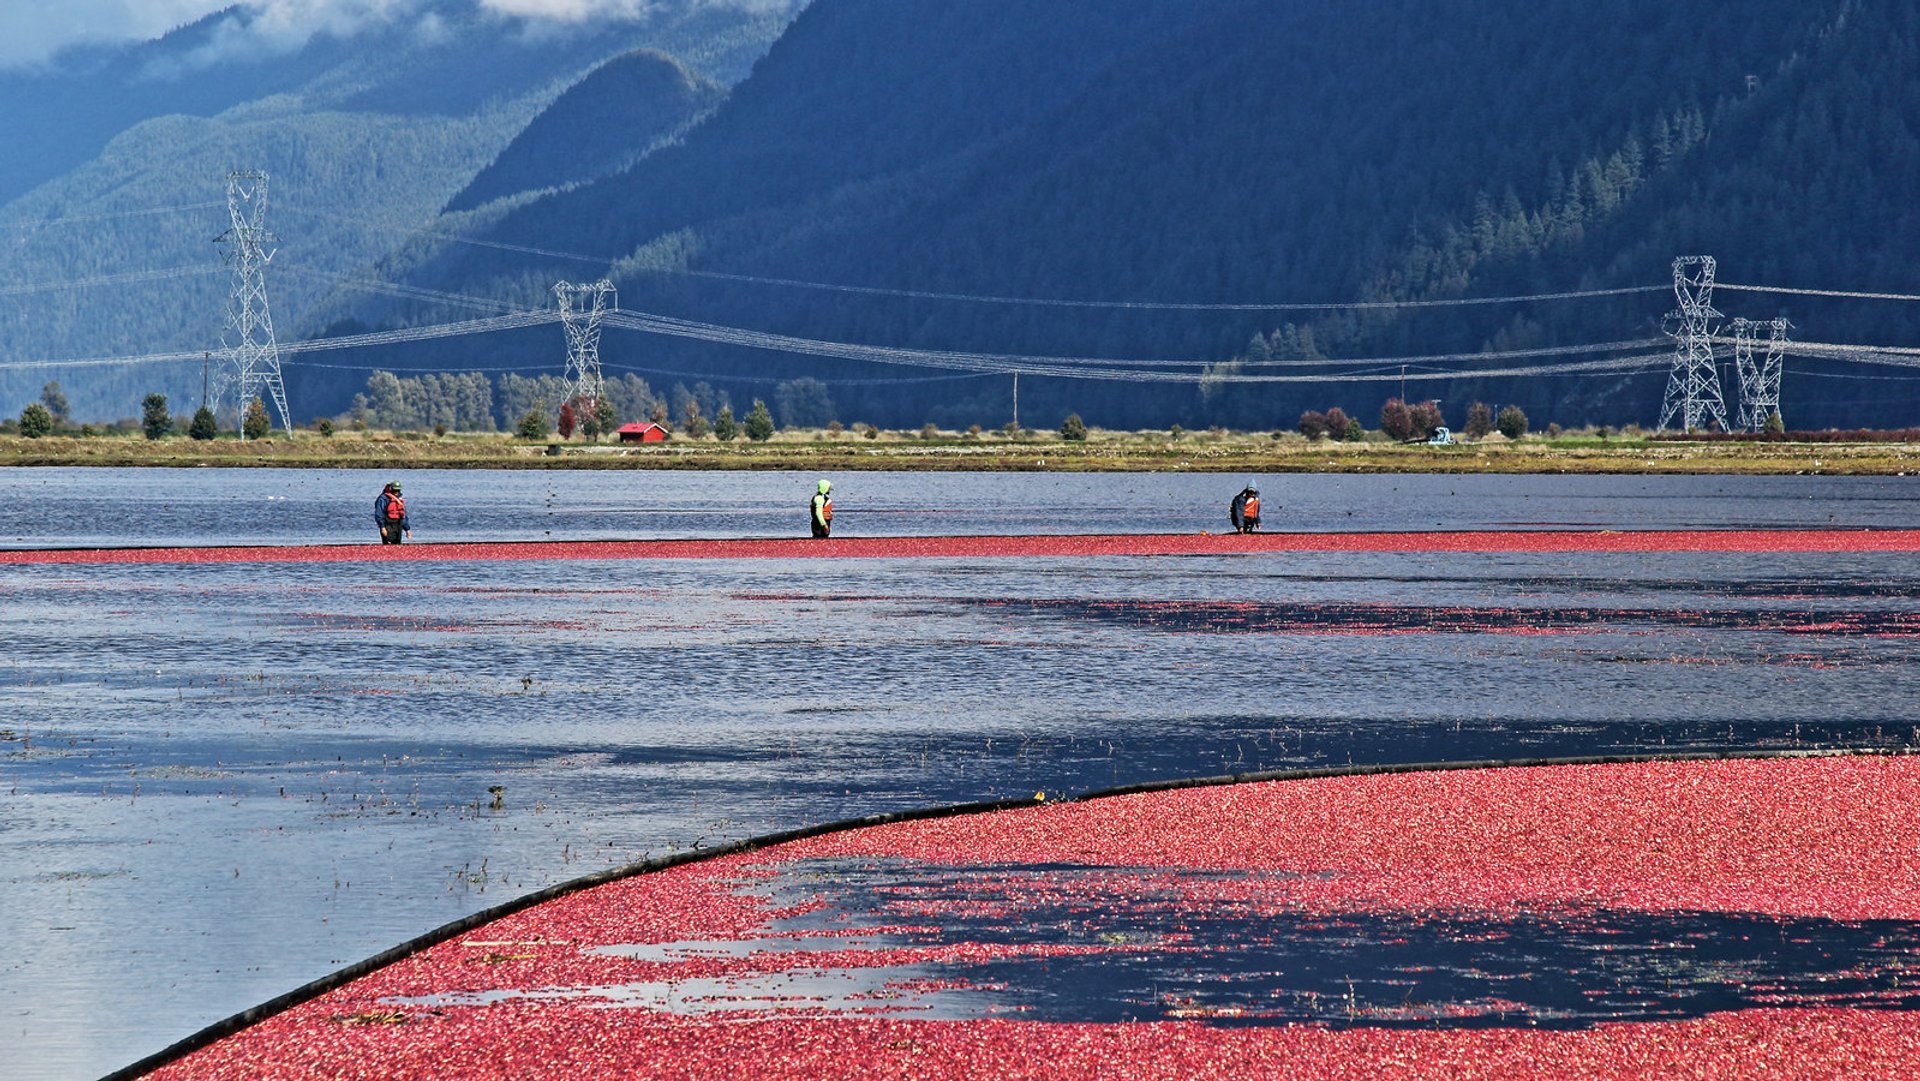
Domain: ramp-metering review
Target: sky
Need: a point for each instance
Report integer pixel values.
(33, 31)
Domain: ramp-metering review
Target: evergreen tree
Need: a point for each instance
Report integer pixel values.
(36, 420)
(154, 419)
(759, 422)
(724, 428)
(204, 426)
(533, 425)
(55, 400)
(255, 424)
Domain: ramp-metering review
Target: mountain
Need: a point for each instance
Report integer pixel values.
(366, 134)
(1224, 151)
(600, 126)
(1102, 162)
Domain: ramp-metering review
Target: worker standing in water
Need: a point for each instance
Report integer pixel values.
(822, 516)
(390, 515)
(1245, 510)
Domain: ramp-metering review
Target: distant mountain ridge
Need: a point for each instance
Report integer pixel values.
(1226, 151)
(1199, 152)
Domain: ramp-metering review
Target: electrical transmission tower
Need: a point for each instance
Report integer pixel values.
(1693, 390)
(255, 354)
(1759, 379)
(582, 306)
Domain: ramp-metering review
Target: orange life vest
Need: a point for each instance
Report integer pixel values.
(1252, 511)
(396, 507)
(826, 511)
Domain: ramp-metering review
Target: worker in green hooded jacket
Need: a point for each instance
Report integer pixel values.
(823, 509)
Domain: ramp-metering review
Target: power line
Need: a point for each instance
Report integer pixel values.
(1142, 305)
(1045, 302)
(128, 278)
(1820, 292)
(106, 217)
(409, 292)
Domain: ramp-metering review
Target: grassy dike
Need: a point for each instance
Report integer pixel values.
(1204, 452)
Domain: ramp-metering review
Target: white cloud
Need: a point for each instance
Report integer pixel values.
(32, 31)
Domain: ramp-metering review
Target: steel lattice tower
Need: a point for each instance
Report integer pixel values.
(1759, 379)
(581, 308)
(255, 354)
(1693, 390)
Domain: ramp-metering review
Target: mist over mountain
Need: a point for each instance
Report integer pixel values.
(1205, 152)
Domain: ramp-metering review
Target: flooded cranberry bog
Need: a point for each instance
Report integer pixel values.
(224, 779)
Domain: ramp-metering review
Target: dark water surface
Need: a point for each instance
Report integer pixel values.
(219, 782)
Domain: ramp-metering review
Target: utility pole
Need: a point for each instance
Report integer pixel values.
(582, 306)
(1016, 399)
(206, 363)
(1693, 387)
(253, 349)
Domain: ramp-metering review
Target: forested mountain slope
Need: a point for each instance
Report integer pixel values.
(601, 125)
(365, 137)
(1227, 151)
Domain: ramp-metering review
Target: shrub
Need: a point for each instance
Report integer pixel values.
(36, 420)
(534, 425)
(835, 428)
(871, 432)
(1073, 429)
(1604, 432)
(1396, 419)
(204, 426)
(1511, 422)
(696, 424)
(255, 424)
(1479, 421)
(155, 421)
(1338, 422)
(929, 431)
(724, 428)
(1774, 425)
(324, 427)
(1176, 432)
(1313, 424)
(1554, 430)
(973, 431)
(439, 431)
(759, 422)
(1355, 433)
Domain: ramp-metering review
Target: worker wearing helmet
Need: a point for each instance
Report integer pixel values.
(822, 516)
(390, 515)
(1245, 509)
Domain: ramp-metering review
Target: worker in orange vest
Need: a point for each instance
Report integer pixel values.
(390, 515)
(822, 516)
(1245, 510)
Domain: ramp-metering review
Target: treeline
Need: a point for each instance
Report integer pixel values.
(472, 402)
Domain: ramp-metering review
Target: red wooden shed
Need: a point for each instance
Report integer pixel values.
(639, 432)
